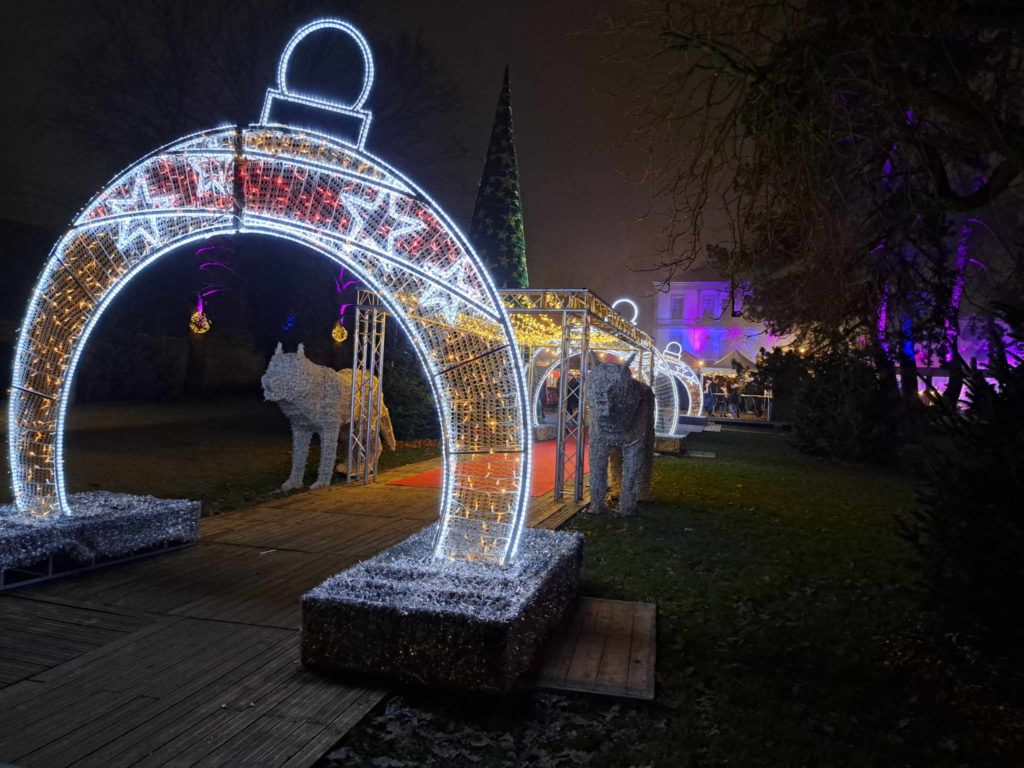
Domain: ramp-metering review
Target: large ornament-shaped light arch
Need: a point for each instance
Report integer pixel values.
(313, 190)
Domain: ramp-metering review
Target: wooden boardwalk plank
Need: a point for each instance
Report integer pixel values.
(35, 635)
(605, 647)
(642, 653)
(191, 658)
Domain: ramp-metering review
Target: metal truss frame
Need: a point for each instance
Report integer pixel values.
(366, 399)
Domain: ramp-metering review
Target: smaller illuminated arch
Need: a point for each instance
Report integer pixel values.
(667, 408)
(672, 359)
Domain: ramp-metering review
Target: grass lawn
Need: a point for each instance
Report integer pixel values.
(788, 635)
(227, 453)
(778, 582)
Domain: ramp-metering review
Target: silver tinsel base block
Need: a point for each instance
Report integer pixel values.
(456, 625)
(668, 444)
(101, 525)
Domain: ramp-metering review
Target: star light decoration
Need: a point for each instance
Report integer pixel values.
(446, 283)
(321, 193)
(131, 227)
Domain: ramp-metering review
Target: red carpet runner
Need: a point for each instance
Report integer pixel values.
(543, 475)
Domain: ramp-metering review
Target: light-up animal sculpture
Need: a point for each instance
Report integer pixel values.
(620, 423)
(316, 399)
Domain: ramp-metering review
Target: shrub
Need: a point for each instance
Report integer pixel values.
(969, 529)
(835, 403)
(784, 372)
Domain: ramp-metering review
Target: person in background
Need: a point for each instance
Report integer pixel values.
(709, 396)
(734, 401)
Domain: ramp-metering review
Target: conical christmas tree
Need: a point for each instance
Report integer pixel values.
(497, 228)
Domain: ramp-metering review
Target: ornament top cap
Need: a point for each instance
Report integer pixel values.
(285, 98)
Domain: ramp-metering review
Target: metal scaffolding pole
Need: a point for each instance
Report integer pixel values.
(367, 380)
(570, 447)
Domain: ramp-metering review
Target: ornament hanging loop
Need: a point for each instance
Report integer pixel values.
(348, 122)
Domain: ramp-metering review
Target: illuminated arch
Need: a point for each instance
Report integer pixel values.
(347, 205)
(672, 359)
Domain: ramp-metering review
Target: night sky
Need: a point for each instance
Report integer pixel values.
(569, 103)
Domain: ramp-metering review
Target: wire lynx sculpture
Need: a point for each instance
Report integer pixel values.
(317, 400)
(620, 424)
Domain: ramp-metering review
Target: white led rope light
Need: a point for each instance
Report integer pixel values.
(285, 94)
(631, 303)
(346, 204)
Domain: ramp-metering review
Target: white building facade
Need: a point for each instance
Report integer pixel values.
(705, 318)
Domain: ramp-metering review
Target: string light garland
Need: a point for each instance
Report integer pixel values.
(338, 333)
(316, 191)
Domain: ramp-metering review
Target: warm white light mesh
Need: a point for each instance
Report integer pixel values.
(672, 362)
(346, 204)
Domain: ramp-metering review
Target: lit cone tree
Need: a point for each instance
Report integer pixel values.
(497, 228)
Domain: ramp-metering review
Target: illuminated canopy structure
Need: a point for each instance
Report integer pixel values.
(326, 194)
(556, 329)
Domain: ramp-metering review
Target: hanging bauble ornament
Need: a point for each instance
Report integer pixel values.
(338, 332)
(199, 323)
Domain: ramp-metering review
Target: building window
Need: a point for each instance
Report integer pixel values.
(716, 347)
(675, 308)
(708, 310)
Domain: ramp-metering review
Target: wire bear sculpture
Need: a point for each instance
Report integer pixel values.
(620, 424)
(317, 400)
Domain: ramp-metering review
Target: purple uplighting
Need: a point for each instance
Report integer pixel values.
(206, 248)
(883, 312)
(962, 248)
(218, 264)
(340, 284)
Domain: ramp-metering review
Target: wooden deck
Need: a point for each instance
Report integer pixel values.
(191, 658)
(605, 647)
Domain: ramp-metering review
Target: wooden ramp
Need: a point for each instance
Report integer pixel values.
(605, 647)
(191, 658)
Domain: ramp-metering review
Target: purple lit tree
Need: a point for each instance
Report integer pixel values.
(864, 153)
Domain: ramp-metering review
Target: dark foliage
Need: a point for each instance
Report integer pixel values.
(782, 370)
(835, 402)
(969, 529)
(867, 156)
(132, 366)
(407, 392)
